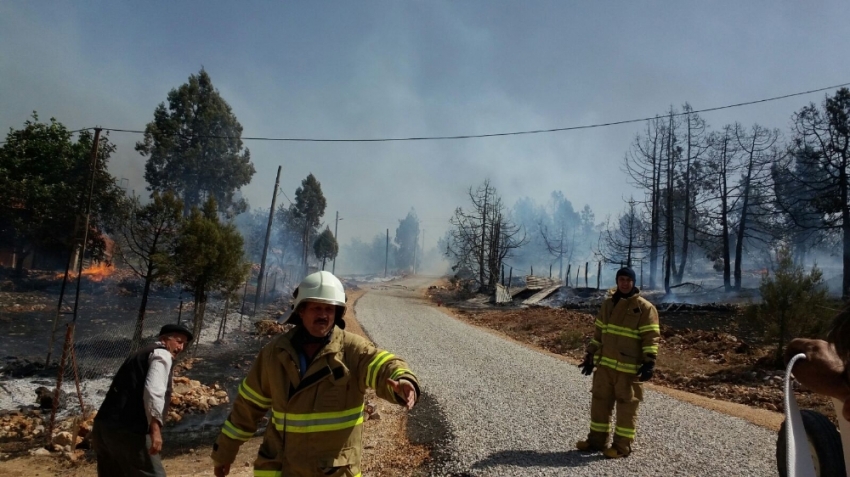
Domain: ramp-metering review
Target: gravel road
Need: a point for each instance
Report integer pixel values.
(494, 407)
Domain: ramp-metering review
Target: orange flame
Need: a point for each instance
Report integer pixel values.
(95, 273)
(98, 272)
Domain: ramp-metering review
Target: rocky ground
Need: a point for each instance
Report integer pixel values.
(712, 353)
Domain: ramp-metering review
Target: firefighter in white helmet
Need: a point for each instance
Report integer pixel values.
(313, 380)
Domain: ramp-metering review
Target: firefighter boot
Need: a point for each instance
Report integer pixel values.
(615, 453)
(595, 442)
(624, 430)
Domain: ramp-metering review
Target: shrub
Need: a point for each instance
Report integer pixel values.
(794, 303)
(570, 339)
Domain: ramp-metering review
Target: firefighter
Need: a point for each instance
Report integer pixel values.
(313, 379)
(623, 351)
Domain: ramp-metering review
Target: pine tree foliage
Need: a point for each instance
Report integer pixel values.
(307, 212)
(194, 147)
(794, 303)
(325, 248)
(407, 242)
(209, 257)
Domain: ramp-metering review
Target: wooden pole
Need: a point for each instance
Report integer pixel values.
(88, 217)
(586, 264)
(598, 275)
(244, 293)
(223, 323)
(387, 256)
(180, 310)
(266, 244)
(65, 349)
(336, 224)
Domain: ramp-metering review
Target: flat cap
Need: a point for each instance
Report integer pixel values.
(172, 328)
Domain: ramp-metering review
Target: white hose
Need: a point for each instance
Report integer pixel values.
(798, 455)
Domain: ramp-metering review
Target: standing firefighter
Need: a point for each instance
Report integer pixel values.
(313, 380)
(623, 350)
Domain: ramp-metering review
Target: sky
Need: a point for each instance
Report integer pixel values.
(412, 69)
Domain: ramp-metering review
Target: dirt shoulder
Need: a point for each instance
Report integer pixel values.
(707, 359)
(387, 451)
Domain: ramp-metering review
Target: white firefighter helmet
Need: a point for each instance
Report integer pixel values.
(320, 287)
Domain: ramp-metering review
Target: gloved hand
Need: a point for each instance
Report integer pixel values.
(587, 365)
(645, 371)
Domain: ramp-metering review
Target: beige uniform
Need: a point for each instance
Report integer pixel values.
(315, 427)
(626, 336)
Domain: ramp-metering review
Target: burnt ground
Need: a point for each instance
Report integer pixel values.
(711, 353)
(107, 313)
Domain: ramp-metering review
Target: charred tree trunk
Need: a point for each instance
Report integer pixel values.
(481, 263)
(742, 226)
(724, 219)
(140, 317)
(655, 215)
(686, 221)
(669, 235)
(198, 319)
(845, 226)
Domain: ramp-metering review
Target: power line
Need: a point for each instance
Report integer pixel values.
(502, 134)
(515, 133)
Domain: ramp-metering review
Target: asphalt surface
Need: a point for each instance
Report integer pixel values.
(493, 407)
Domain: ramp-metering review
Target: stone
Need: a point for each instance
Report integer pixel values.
(63, 438)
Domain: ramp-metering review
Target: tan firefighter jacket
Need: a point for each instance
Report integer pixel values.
(626, 334)
(316, 422)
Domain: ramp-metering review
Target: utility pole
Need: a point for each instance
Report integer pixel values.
(68, 346)
(387, 255)
(415, 246)
(336, 224)
(261, 276)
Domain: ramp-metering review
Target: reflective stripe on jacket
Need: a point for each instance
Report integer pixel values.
(626, 335)
(315, 426)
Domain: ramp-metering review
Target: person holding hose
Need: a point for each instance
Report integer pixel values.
(825, 369)
(313, 379)
(623, 351)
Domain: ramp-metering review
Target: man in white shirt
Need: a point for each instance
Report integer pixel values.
(127, 434)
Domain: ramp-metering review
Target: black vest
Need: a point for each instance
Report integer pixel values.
(124, 406)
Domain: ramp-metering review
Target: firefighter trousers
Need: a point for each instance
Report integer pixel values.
(609, 388)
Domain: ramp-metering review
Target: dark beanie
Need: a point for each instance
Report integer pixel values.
(626, 272)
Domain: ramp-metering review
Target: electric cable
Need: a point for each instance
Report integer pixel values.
(502, 134)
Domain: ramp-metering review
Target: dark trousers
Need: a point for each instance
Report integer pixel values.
(124, 454)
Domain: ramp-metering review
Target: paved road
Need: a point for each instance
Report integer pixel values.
(492, 407)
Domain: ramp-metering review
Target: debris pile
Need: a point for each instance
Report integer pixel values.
(191, 397)
(20, 425)
(28, 427)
